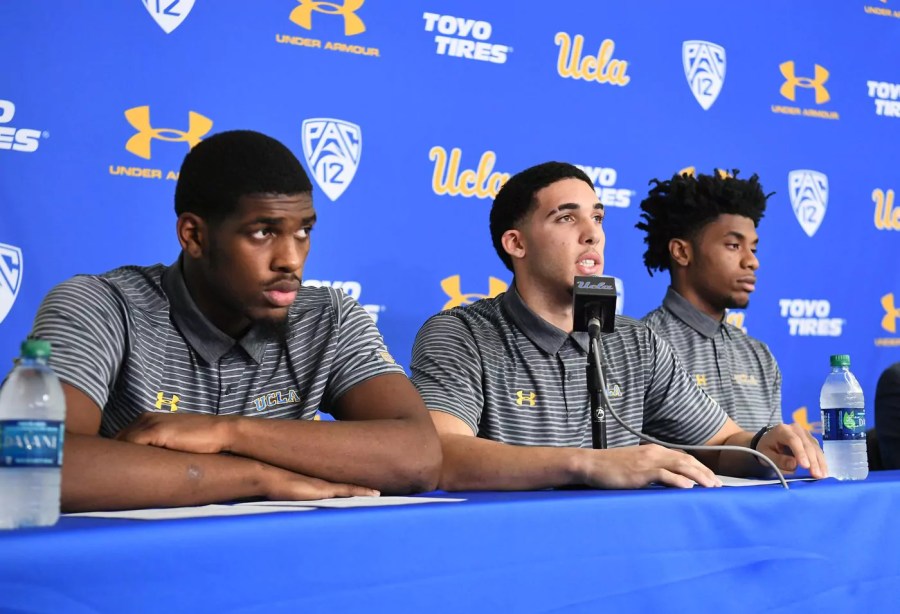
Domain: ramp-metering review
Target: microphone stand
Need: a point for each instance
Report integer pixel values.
(595, 386)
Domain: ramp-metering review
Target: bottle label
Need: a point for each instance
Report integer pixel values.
(843, 424)
(31, 443)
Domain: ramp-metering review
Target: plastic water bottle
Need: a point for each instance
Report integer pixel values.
(843, 422)
(32, 415)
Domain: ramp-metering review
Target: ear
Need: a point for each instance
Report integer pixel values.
(681, 252)
(512, 244)
(193, 234)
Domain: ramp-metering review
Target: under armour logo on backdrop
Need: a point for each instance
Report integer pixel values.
(139, 118)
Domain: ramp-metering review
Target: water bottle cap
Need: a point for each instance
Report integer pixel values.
(35, 348)
(840, 360)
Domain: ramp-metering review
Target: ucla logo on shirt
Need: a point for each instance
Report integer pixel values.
(276, 398)
(809, 198)
(332, 148)
(704, 68)
(615, 391)
(745, 379)
(168, 14)
(10, 277)
(452, 287)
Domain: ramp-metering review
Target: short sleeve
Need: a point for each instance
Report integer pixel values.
(676, 409)
(446, 369)
(360, 350)
(83, 318)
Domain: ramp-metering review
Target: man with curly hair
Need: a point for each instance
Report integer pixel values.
(703, 231)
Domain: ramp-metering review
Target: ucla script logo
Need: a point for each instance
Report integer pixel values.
(10, 277)
(168, 14)
(809, 198)
(704, 68)
(332, 148)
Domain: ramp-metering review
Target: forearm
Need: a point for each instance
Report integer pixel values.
(105, 474)
(472, 463)
(394, 456)
(740, 464)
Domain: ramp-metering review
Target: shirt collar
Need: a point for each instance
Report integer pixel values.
(202, 335)
(543, 334)
(690, 315)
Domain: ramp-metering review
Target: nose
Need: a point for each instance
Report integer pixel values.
(289, 254)
(592, 233)
(751, 261)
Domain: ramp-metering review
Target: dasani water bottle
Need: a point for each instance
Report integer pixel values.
(843, 422)
(32, 415)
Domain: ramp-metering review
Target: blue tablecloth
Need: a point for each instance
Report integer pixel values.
(822, 546)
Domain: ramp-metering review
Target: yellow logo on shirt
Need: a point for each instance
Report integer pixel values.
(522, 398)
(700, 379)
(171, 402)
(276, 398)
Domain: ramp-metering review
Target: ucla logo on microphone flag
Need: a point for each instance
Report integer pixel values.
(809, 198)
(332, 148)
(168, 14)
(10, 277)
(704, 68)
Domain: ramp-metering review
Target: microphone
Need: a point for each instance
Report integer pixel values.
(594, 304)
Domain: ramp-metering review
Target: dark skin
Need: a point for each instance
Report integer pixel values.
(242, 270)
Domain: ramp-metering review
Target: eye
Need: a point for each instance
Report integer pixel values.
(262, 233)
(598, 218)
(564, 218)
(303, 233)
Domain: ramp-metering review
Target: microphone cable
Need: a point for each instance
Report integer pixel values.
(595, 346)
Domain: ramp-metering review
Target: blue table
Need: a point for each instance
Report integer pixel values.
(823, 546)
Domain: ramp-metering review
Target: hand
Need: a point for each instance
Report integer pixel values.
(284, 485)
(638, 466)
(198, 433)
(790, 445)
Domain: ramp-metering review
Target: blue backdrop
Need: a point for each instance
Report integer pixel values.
(410, 114)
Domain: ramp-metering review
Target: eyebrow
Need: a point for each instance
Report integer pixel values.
(278, 221)
(739, 235)
(598, 206)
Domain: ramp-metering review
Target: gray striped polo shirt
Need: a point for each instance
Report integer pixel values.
(515, 378)
(735, 369)
(134, 341)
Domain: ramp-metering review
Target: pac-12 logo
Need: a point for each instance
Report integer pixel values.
(168, 14)
(332, 148)
(10, 277)
(809, 198)
(704, 67)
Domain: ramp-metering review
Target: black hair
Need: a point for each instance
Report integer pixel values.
(680, 207)
(516, 199)
(221, 169)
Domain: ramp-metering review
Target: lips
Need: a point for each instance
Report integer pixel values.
(589, 263)
(282, 293)
(747, 284)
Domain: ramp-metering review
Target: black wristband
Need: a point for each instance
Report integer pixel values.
(759, 434)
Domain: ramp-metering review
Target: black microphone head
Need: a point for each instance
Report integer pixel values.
(594, 297)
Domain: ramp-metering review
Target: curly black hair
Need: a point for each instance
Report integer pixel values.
(228, 165)
(515, 200)
(683, 205)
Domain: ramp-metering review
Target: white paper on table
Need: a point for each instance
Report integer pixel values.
(171, 513)
(349, 502)
(728, 480)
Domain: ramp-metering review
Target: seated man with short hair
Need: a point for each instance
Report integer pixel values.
(505, 377)
(199, 382)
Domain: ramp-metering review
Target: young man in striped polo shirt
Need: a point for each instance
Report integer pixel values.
(703, 231)
(505, 378)
(198, 382)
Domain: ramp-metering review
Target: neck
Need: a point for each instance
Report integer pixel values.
(554, 307)
(213, 310)
(694, 298)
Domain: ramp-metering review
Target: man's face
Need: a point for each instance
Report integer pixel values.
(723, 268)
(563, 237)
(254, 261)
